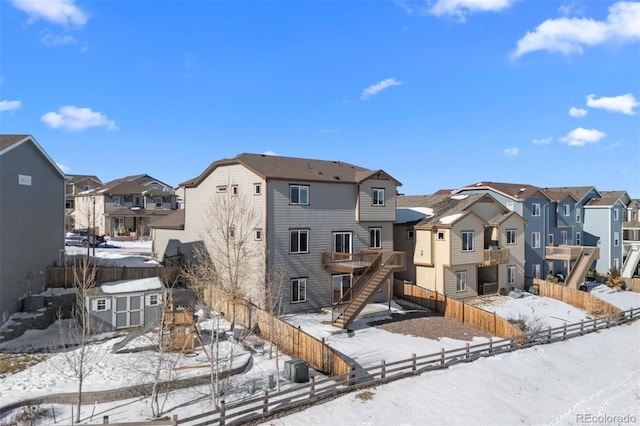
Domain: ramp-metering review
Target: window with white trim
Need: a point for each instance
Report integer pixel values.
(158, 202)
(563, 238)
(118, 200)
(440, 236)
(299, 194)
(221, 188)
(234, 189)
(616, 239)
(511, 236)
(566, 210)
(101, 305)
(578, 239)
(257, 189)
(616, 214)
(578, 215)
(257, 234)
(410, 234)
(298, 290)
(535, 240)
(375, 238)
(535, 209)
(467, 240)
(550, 239)
(153, 299)
(536, 270)
(510, 206)
(461, 281)
(511, 274)
(378, 196)
(119, 221)
(299, 241)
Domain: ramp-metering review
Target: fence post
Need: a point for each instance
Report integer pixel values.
(442, 357)
(175, 420)
(222, 412)
(352, 377)
(413, 363)
(467, 353)
(383, 371)
(312, 391)
(511, 343)
(564, 332)
(594, 324)
(549, 335)
(265, 402)
(581, 327)
(490, 344)
(105, 420)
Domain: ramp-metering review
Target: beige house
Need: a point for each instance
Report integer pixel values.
(124, 207)
(74, 185)
(461, 246)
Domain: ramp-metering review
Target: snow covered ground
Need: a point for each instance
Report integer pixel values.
(119, 253)
(593, 379)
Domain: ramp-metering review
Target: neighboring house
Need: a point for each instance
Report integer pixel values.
(124, 207)
(75, 184)
(462, 245)
(630, 233)
(121, 305)
(536, 207)
(603, 217)
(31, 219)
(319, 223)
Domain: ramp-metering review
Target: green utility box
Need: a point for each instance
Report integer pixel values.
(296, 370)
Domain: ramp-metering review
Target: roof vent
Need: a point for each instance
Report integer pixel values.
(336, 177)
(523, 189)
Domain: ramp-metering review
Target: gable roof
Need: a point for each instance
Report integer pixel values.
(138, 184)
(560, 195)
(10, 142)
(174, 220)
(620, 194)
(295, 169)
(603, 202)
(514, 191)
(578, 192)
(80, 178)
(446, 209)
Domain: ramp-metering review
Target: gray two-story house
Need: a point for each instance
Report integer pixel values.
(31, 219)
(326, 227)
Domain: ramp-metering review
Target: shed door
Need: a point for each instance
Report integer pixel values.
(128, 311)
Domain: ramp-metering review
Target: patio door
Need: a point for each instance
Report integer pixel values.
(128, 311)
(340, 285)
(342, 242)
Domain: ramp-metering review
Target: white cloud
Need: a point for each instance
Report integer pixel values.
(512, 152)
(56, 40)
(374, 89)
(578, 112)
(543, 141)
(460, 8)
(582, 137)
(61, 12)
(571, 35)
(270, 153)
(572, 8)
(10, 105)
(77, 119)
(624, 104)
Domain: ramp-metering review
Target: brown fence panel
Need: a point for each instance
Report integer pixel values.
(61, 276)
(580, 299)
(633, 284)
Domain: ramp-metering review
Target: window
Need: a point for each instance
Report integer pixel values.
(221, 188)
(578, 216)
(234, 189)
(153, 299)
(101, 305)
(535, 209)
(340, 285)
(232, 232)
(578, 242)
(440, 236)
(119, 222)
(299, 241)
(410, 234)
(158, 202)
(461, 281)
(375, 238)
(378, 196)
(563, 238)
(117, 200)
(511, 236)
(510, 206)
(536, 270)
(616, 263)
(616, 214)
(257, 189)
(511, 274)
(298, 290)
(86, 187)
(467, 240)
(550, 240)
(342, 242)
(257, 234)
(299, 194)
(616, 239)
(535, 239)
(136, 201)
(566, 210)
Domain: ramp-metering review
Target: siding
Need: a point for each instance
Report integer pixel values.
(516, 251)
(369, 212)
(406, 245)
(31, 224)
(468, 223)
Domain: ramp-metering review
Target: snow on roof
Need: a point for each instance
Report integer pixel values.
(143, 284)
(449, 219)
(412, 214)
(459, 196)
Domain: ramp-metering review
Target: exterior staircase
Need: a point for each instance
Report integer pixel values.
(578, 273)
(365, 287)
(631, 262)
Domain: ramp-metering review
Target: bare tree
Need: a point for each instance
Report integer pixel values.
(79, 355)
(273, 304)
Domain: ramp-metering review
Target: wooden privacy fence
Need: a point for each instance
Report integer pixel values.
(467, 314)
(633, 284)
(62, 276)
(266, 405)
(580, 299)
(290, 339)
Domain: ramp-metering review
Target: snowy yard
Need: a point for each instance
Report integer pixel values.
(556, 384)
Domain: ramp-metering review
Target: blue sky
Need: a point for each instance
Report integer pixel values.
(439, 94)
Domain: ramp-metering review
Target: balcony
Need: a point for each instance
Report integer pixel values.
(495, 256)
(563, 252)
(357, 263)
